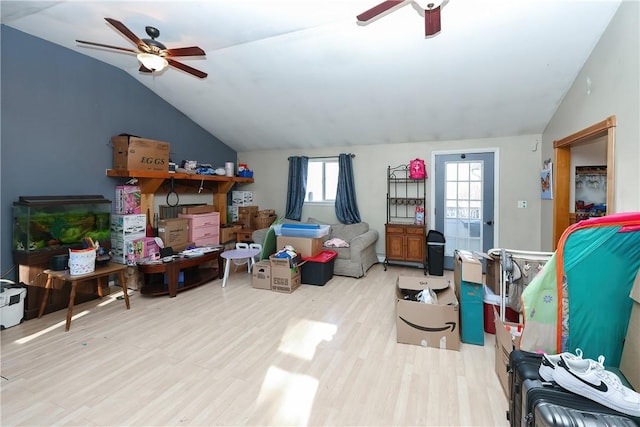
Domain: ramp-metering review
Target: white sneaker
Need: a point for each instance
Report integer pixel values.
(589, 379)
(549, 362)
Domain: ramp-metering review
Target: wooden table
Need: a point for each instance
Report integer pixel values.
(100, 273)
(194, 272)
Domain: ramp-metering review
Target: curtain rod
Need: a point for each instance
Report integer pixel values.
(326, 157)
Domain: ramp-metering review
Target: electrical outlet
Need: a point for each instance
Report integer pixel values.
(522, 204)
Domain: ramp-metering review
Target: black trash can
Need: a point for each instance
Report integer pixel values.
(435, 252)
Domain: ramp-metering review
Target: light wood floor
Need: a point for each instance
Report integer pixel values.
(242, 356)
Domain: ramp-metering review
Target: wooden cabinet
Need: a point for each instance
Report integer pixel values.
(405, 242)
(405, 230)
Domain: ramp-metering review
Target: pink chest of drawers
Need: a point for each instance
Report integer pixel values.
(204, 229)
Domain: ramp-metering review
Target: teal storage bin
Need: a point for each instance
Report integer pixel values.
(471, 313)
(468, 283)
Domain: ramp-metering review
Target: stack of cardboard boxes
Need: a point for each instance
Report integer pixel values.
(128, 225)
(284, 275)
(129, 243)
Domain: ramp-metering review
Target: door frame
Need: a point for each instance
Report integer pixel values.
(496, 181)
(562, 154)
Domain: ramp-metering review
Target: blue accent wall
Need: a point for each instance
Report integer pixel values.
(59, 111)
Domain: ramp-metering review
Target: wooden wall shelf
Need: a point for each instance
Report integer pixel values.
(151, 181)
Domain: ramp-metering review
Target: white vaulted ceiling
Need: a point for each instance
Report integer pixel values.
(303, 73)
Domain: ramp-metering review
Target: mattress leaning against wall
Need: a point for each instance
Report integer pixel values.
(595, 265)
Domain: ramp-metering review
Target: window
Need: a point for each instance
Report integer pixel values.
(322, 181)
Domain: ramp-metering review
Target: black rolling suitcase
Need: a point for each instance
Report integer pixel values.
(549, 415)
(523, 365)
(548, 404)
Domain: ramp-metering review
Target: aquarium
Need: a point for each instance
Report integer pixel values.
(53, 222)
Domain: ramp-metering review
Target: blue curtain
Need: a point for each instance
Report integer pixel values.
(297, 187)
(346, 205)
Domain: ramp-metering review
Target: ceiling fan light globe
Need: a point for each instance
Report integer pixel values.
(152, 62)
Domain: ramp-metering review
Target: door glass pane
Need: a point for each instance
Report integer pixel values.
(451, 190)
(463, 191)
(463, 171)
(475, 190)
(463, 201)
(452, 171)
(475, 171)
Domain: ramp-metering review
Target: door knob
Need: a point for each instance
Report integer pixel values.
(489, 222)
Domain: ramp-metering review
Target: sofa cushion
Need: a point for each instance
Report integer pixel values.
(347, 232)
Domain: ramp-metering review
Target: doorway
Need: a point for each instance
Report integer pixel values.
(464, 186)
(562, 152)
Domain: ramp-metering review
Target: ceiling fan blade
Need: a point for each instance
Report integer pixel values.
(432, 21)
(125, 31)
(185, 51)
(126, 49)
(379, 9)
(186, 68)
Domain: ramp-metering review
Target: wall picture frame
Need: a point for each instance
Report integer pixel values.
(546, 182)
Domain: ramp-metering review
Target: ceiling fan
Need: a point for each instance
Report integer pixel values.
(430, 9)
(153, 55)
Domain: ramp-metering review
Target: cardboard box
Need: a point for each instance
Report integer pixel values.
(192, 210)
(228, 232)
(493, 274)
(127, 200)
(145, 247)
(242, 198)
(307, 247)
(285, 284)
(128, 225)
(245, 215)
(122, 248)
(507, 339)
(629, 365)
(262, 275)
(285, 263)
(467, 276)
(285, 274)
(432, 325)
(134, 280)
(233, 215)
(174, 232)
(133, 153)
